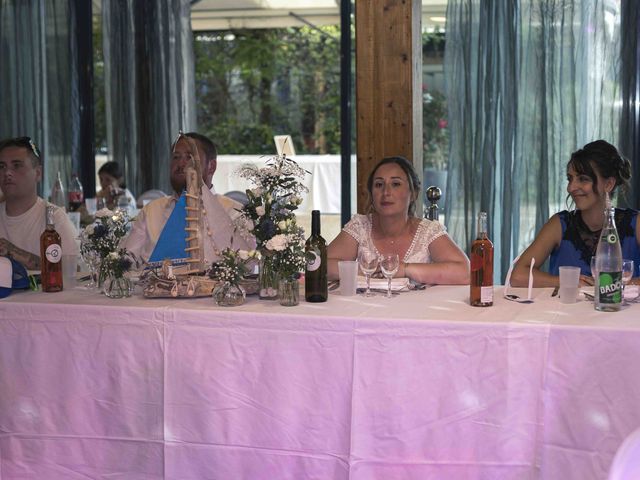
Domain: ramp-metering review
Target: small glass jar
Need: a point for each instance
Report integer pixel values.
(268, 279)
(228, 294)
(289, 291)
(117, 287)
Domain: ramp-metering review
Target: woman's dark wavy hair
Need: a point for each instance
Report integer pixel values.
(113, 169)
(410, 172)
(601, 157)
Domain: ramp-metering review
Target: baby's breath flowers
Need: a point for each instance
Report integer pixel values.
(234, 265)
(277, 194)
(102, 238)
(269, 215)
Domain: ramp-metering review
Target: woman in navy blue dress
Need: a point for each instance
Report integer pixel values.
(571, 237)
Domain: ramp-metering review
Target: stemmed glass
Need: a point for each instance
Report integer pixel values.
(389, 265)
(627, 274)
(368, 262)
(92, 259)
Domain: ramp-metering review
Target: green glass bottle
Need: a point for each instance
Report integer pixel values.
(315, 276)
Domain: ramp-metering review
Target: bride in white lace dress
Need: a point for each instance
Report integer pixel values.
(427, 254)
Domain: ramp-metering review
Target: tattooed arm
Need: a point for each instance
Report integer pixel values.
(29, 260)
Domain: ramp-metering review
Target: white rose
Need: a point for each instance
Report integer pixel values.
(260, 211)
(282, 225)
(114, 256)
(90, 229)
(243, 254)
(255, 254)
(295, 200)
(277, 243)
(104, 212)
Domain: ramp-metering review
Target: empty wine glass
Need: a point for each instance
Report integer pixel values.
(389, 265)
(368, 261)
(627, 274)
(92, 259)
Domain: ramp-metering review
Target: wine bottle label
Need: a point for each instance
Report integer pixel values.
(610, 287)
(315, 259)
(53, 253)
(486, 294)
(75, 196)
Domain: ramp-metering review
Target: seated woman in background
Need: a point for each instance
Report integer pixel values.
(427, 254)
(571, 238)
(113, 186)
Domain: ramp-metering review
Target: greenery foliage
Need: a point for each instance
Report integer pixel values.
(435, 131)
(254, 84)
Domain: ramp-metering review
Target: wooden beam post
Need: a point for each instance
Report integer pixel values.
(388, 86)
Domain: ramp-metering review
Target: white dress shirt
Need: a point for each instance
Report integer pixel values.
(221, 212)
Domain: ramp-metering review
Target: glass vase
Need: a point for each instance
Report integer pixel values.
(289, 291)
(228, 294)
(102, 275)
(268, 279)
(117, 287)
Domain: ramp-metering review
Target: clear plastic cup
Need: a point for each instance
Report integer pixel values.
(348, 271)
(569, 284)
(69, 270)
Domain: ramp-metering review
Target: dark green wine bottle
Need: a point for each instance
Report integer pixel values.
(315, 275)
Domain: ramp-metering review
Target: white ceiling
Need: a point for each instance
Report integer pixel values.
(227, 14)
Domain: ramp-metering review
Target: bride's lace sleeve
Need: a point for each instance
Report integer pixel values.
(428, 231)
(358, 228)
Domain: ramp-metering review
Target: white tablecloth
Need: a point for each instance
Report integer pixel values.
(420, 386)
(323, 182)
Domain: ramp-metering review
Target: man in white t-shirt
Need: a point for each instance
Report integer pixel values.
(23, 213)
(220, 211)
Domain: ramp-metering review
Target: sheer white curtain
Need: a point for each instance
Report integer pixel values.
(528, 82)
(150, 85)
(35, 79)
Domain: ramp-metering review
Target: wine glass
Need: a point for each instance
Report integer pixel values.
(389, 265)
(92, 259)
(368, 261)
(627, 274)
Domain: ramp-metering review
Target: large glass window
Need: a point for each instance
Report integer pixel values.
(253, 84)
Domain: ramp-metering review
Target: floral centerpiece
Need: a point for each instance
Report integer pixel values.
(288, 259)
(230, 270)
(113, 267)
(270, 217)
(100, 245)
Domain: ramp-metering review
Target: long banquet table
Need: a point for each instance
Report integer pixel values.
(420, 386)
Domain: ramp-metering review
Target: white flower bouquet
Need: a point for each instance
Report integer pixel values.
(276, 195)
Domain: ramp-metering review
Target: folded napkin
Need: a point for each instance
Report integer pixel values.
(397, 284)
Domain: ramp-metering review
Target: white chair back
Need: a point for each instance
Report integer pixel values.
(626, 463)
(149, 195)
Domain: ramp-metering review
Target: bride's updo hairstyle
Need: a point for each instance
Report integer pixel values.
(412, 177)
